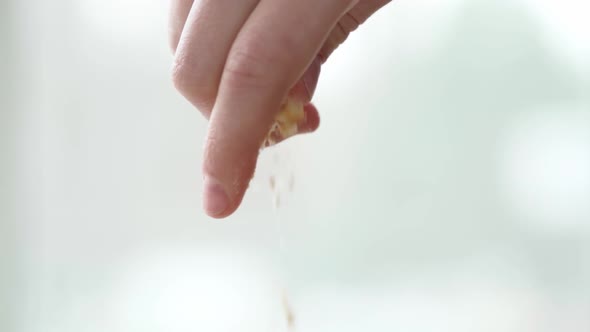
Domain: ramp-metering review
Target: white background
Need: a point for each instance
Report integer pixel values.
(448, 188)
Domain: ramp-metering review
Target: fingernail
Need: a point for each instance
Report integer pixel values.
(215, 200)
(311, 76)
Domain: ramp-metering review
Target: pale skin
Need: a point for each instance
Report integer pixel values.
(238, 60)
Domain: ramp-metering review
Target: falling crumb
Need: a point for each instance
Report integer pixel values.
(272, 182)
(291, 182)
(288, 313)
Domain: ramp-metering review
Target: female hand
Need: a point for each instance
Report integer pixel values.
(238, 60)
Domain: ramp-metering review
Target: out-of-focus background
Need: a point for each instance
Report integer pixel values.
(448, 188)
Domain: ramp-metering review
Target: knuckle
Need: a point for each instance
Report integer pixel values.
(350, 22)
(338, 35)
(187, 79)
(244, 68)
(328, 48)
(248, 66)
(182, 77)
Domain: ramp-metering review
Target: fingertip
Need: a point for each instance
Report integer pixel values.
(312, 119)
(216, 201)
(228, 167)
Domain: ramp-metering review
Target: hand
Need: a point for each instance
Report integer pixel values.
(238, 60)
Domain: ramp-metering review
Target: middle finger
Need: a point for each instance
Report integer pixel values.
(207, 37)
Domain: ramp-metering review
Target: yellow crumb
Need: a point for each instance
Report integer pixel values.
(286, 123)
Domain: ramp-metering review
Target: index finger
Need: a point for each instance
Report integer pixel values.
(277, 43)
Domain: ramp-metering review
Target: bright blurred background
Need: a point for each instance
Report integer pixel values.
(448, 188)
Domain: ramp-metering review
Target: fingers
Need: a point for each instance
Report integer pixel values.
(200, 84)
(210, 30)
(265, 61)
(197, 72)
